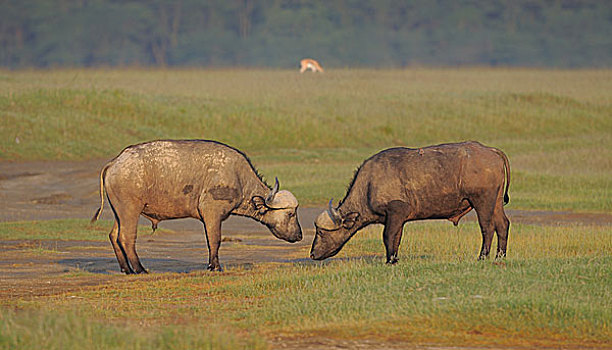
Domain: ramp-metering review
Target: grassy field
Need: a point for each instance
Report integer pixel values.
(312, 131)
(553, 290)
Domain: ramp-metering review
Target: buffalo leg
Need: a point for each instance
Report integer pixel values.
(392, 236)
(212, 228)
(121, 257)
(128, 226)
(487, 228)
(502, 224)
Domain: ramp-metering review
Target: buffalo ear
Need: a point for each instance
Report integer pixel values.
(259, 203)
(349, 220)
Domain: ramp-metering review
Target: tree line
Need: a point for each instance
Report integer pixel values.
(277, 33)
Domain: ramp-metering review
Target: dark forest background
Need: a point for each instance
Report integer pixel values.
(277, 33)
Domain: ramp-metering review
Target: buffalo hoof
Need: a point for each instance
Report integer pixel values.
(392, 261)
(216, 268)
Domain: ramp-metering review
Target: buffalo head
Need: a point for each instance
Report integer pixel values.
(279, 213)
(333, 230)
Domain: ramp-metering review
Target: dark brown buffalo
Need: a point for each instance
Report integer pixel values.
(201, 179)
(402, 184)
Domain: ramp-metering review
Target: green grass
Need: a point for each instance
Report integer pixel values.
(313, 130)
(441, 241)
(553, 290)
(36, 330)
(535, 300)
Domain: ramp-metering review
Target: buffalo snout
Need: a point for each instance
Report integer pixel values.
(324, 245)
(284, 224)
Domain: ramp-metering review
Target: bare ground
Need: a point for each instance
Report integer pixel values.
(55, 190)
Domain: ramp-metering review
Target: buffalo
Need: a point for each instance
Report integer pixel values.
(400, 184)
(201, 179)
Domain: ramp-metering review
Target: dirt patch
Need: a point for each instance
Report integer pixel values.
(55, 198)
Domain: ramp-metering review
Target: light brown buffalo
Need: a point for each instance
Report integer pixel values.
(201, 179)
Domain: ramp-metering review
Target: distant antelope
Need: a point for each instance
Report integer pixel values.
(309, 63)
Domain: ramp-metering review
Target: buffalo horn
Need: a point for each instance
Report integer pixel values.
(334, 214)
(273, 192)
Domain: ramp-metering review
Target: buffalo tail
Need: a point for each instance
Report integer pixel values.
(507, 166)
(99, 211)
